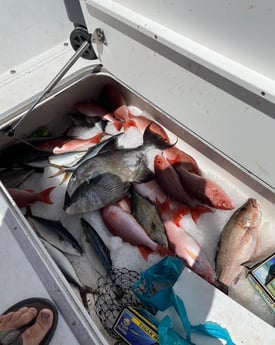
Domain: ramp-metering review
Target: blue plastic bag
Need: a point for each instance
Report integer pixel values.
(163, 275)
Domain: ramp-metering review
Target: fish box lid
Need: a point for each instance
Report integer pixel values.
(209, 65)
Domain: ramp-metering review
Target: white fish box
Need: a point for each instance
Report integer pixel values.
(202, 92)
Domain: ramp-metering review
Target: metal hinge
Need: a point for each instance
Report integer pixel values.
(99, 37)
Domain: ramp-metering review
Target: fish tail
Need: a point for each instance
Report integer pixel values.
(150, 136)
(164, 251)
(145, 252)
(60, 171)
(96, 139)
(65, 177)
(198, 211)
(117, 124)
(179, 213)
(129, 123)
(122, 113)
(44, 196)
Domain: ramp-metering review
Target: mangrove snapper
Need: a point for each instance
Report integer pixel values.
(124, 225)
(184, 245)
(238, 242)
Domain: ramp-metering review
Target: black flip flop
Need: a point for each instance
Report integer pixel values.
(13, 337)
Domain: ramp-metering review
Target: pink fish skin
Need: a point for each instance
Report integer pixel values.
(25, 198)
(205, 190)
(177, 157)
(152, 191)
(184, 245)
(139, 121)
(77, 144)
(121, 223)
(170, 182)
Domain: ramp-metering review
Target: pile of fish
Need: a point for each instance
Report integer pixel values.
(126, 167)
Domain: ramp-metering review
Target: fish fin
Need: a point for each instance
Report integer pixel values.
(122, 113)
(162, 251)
(45, 195)
(145, 252)
(150, 136)
(60, 171)
(116, 123)
(29, 190)
(162, 206)
(198, 211)
(144, 174)
(67, 201)
(129, 123)
(96, 139)
(179, 213)
(65, 177)
(83, 295)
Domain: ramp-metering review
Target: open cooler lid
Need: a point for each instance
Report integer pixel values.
(209, 65)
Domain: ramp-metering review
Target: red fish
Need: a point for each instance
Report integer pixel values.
(205, 190)
(170, 182)
(184, 245)
(152, 191)
(25, 198)
(121, 223)
(177, 157)
(77, 144)
(138, 121)
(94, 109)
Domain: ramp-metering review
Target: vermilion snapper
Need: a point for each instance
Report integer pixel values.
(121, 223)
(24, 198)
(152, 191)
(96, 110)
(177, 157)
(184, 245)
(169, 180)
(64, 145)
(139, 121)
(205, 190)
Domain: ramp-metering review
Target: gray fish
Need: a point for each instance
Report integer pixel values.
(65, 266)
(98, 246)
(56, 234)
(238, 241)
(146, 214)
(120, 166)
(104, 189)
